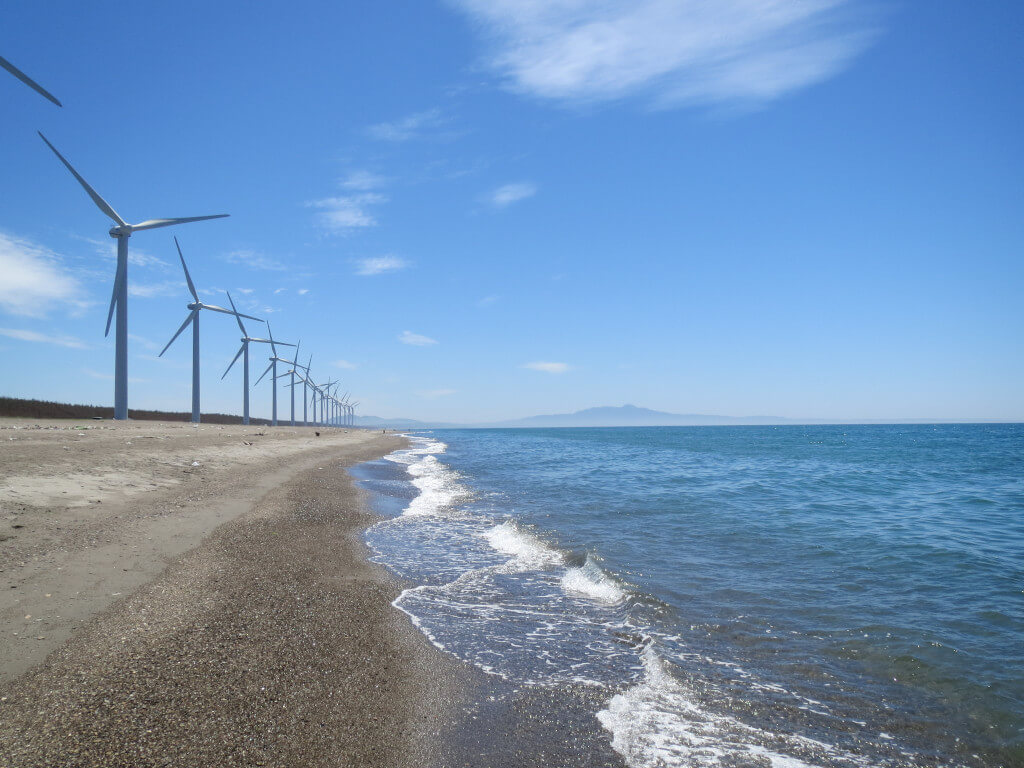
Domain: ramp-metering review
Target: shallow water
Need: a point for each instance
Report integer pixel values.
(784, 596)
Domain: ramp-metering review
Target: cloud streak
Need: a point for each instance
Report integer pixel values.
(512, 193)
(673, 52)
(33, 282)
(378, 265)
(410, 127)
(347, 212)
(547, 367)
(43, 338)
(415, 339)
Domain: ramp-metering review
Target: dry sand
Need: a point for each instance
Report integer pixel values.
(174, 595)
(223, 613)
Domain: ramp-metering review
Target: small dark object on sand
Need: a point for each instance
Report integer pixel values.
(318, 434)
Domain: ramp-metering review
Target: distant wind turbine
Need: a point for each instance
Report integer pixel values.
(119, 299)
(28, 81)
(272, 370)
(193, 318)
(243, 351)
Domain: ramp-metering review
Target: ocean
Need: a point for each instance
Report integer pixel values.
(783, 596)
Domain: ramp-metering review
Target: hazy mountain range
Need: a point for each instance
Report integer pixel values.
(630, 416)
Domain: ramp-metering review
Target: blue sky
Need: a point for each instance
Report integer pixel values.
(485, 209)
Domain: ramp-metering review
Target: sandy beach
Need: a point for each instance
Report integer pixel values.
(172, 595)
(196, 596)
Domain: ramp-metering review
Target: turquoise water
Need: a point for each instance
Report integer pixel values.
(785, 596)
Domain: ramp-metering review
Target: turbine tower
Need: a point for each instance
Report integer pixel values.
(119, 299)
(28, 81)
(193, 318)
(243, 350)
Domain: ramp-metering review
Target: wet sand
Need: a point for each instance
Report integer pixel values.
(172, 595)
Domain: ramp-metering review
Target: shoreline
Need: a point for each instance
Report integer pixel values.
(264, 637)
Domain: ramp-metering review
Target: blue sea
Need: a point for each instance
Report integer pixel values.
(767, 596)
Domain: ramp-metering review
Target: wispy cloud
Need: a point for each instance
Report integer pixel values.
(415, 339)
(413, 126)
(43, 338)
(151, 290)
(377, 265)
(254, 260)
(34, 282)
(347, 212)
(547, 367)
(512, 193)
(363, 181)
(302, 291)
(107, 249)
(431, 394)
(675, 52)
(345, 365)
(486, 301)
(143, 341)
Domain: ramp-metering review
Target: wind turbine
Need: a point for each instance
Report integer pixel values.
(119, 299)
(272, 369)
(325, 394)
(306, 382)
(243, 350)
(28, 81)
(193, 318)
(295, 364)
(352, 413)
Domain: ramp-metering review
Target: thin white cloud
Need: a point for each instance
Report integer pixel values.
(143, 341)
(43, 338)
(431, 394)
(377, 265)
(151, 290)
(33, 280)
(279, 290)
(302, 291)
(345, 364)
(415, 339)
(363, 181)
(512, 193)
(246, 291)
(107, 249)
(254, 260)
(410, 127)
(486, 301)
(340, 214)
(547, 367)
(674, 52)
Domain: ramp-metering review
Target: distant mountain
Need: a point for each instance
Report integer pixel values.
(607, 416)
(633, 416)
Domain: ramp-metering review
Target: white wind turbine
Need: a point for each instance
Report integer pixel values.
(272, 370)
(193, 318)
(28, 81)
(243, 351)
(119, 299)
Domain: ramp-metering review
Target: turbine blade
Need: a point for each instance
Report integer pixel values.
(188, 277)
(271, 334)
(241, 349)
(28, 81)
(154, 223)
(102, 204)
(189, 319)
(264, 374)
(113, 297)
(238, 316)
(215, 308)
